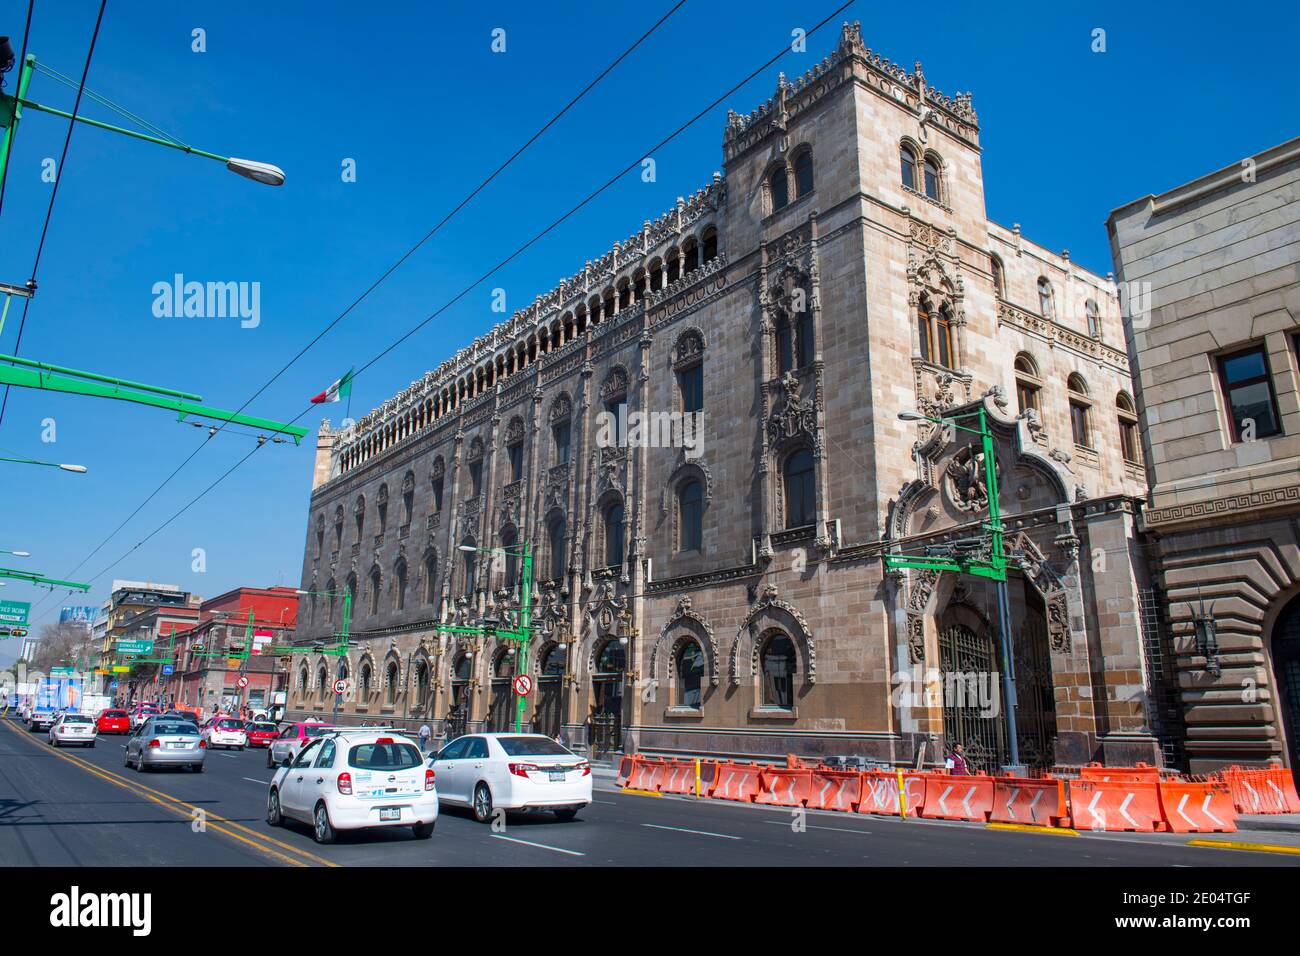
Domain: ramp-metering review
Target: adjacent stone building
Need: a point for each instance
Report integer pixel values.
(1213, 273)
(724, 592)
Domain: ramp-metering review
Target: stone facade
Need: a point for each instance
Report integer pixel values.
(822, 295)
(1214, 269)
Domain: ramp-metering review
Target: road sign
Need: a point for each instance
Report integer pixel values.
(120, 669)
(112, 685)
(62, 671)
(198, 647)
(523, 685)
(243, 681)
(135, 647)
(167, 670)
(14, 612)
(340, 686)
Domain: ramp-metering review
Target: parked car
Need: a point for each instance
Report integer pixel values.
(261, 732)
(525, 772)
(291, 740)
(225, 732)
(352, 780)
(113, 721)
(73, 729)
(166, 743)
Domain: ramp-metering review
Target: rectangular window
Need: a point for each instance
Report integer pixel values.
(476, 478)
(1027, 395)
(611, 409)
(561, 434)
(1248, 395)
(437, 494)
(691, 382)
(1128, 440)
(516, 462)
(1079, 424)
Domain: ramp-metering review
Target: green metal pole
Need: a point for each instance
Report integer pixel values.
(998, 558)
(170, 144)
(525, 629)
(16, 105)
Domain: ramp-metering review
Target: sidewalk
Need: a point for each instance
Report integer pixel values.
(1274, 822)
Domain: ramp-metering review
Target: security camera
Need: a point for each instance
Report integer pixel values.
(7, 56)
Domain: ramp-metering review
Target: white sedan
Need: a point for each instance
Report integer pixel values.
(73, 729)
(225, 732)
(526, 772)
(353, 780)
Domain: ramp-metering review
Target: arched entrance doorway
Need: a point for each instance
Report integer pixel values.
(607, 697)
(966, 657)
(550, 691)
(458, 713)
(1286, 667)
(501, 714)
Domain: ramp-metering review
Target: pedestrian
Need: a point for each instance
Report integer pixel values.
(956, 762)
(425, 734)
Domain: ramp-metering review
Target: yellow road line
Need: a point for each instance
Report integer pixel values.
(1027, 828)
(1253, 847)
(259, 841)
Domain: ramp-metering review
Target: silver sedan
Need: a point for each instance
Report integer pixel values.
(163, 742)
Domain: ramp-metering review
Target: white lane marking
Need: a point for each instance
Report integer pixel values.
(540, 846)
(780, 823)
(722, 836)
(264, 783)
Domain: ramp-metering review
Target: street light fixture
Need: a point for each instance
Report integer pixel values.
(17, 554)
(76, 469)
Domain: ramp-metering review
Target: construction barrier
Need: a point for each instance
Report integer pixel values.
(880, 792)
(1116, 805)
(678, 777)
(1261, 789)
(736, 781)
(834, 790)
(1197, 807)
(1139, 773)
(625, 770)
(784, 787)
(646, 775)
(958, 797)
(1034, 801)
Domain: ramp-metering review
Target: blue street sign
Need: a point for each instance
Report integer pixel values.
(167, 669)
(112, 685)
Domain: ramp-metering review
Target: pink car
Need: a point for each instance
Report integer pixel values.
(293, 737)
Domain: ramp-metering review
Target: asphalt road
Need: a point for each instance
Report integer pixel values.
(84, 808)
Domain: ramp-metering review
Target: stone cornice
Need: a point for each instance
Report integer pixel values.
(1230, 508)
(1055, 334)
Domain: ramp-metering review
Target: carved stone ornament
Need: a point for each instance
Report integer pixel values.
(1058, 624)
(795, 417)
(615, 385)
(915, 639)
(561, 410)
(769, 601)
(684, 614)
(964, 480)
(439, 468)
(689, 348)
(515, 431)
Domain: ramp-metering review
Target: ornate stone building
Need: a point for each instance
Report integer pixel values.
(731, 598)
(1214, 270)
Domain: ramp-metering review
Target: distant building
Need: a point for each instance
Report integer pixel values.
(127, 600)
(1213, 273)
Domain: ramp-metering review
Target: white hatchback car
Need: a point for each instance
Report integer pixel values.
(526, 772)
(72, 729)
(353, 780)
(225, 732)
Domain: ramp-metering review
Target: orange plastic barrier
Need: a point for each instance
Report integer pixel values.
(736, 782)
(678, 777)
(1261, 789)
(784, 787)
(1116, 805)
(880, 792)
(625, 770)
(1140, 773)
(834, 790)
(646, 775)
(1035, 801)
(1197, 807)
(958, 797)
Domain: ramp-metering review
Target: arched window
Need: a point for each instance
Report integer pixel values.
(338, 527)
(803, 338)
(690, 255)
(303, 678)
(803, 174)
(375, 583)
(778, 670)
(932, 178)
(408, 497)
(391, 681)
(1094, 318)
(1029, 386)
(436, 480)
(800, 490)
(709, 247)
(560, 432)
(1046, 306)
(784, 345)
(778, 188)
(690, 675)
(359, 512)
(999, 279)
(1128, 428)
(399, 585)
(907, 157)
(331, 595)
(363, 680)
(1080, 410)
(556, 532)
(612, 659)
(322, 682)
(509, 545)
(935, 326)
(614, 546)
(421, 683)
(430, 578)
(470, 560)
(690, 516)
(515, 451)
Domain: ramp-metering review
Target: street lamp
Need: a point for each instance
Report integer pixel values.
(994, 567)
(77, 469)
(19, 554)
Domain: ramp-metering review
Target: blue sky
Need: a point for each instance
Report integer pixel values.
(413, 93)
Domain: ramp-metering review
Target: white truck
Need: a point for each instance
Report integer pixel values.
(92, 704)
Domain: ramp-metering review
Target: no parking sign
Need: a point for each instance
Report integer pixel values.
(340, 686)
(523, 685)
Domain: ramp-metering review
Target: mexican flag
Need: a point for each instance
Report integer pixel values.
(336, 392)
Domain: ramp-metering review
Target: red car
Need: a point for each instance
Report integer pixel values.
(113, 722)
(261, 733)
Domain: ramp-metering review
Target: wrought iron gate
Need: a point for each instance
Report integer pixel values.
(1035, 694)
(964, 655)
(454, 724)
(606, 733)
